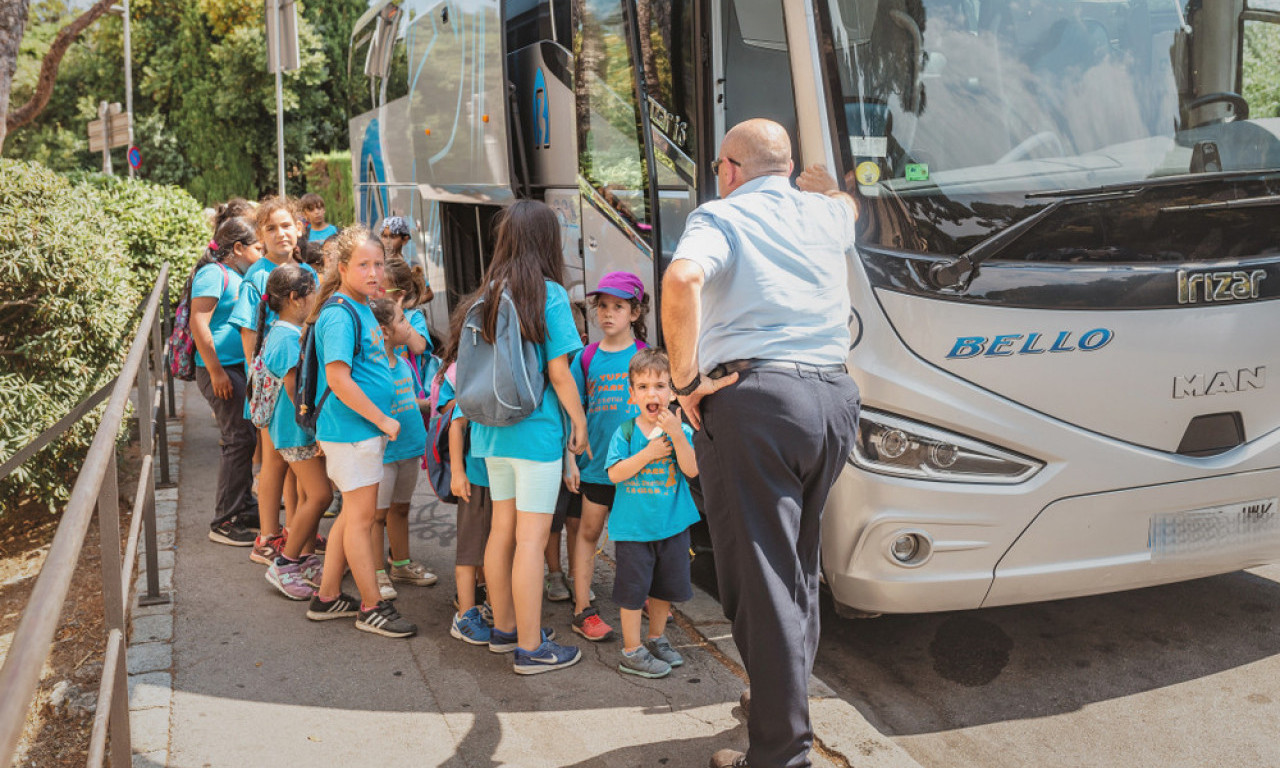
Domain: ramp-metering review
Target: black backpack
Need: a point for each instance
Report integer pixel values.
(307, 408)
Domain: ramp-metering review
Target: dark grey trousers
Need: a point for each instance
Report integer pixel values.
(239, 439)
(770, 448)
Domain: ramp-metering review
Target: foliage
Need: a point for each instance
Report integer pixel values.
(157, 224)
(66, 301)
(204, 104)
(329, 176)
(1261, 63)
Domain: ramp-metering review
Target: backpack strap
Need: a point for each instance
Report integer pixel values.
(341, 301)
(628, 429)
(589, 353)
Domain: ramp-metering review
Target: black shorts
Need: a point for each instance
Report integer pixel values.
(568, 504)
(598, 493)
(657, 569)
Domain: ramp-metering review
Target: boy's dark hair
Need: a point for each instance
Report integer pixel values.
(649, 360)
(311, 201)
(313, 254)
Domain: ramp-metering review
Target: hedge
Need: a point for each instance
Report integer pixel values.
(329, 176)
(74, 262)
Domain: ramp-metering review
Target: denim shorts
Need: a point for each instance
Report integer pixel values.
(533, 484)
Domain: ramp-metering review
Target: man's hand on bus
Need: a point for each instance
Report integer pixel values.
(816, 178)
(690, 403)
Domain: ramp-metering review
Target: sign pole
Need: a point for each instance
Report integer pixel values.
(278, 65)
(105, 117)
(128, 78)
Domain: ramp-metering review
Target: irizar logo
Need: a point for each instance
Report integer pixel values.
(1219, 286)
(1257, 510)
(1008, 344)
(1220, 383)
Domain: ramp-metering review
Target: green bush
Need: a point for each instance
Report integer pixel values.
(158, 224)
(67, 299)
(329, 176)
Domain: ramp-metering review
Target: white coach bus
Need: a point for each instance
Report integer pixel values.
(1066, 299)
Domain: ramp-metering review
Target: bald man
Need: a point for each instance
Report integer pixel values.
(755, 312)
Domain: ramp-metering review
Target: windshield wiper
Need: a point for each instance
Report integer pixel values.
(959, 272)
(1265, 201)
(1156, 182)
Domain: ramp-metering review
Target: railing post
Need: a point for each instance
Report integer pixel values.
(146, 423)
(162, 425)
(113, 603)
(167, 332)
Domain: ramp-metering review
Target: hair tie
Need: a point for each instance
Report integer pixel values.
(213, 245)
(266, 296)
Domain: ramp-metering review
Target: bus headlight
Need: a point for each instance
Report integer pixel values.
(892, 445)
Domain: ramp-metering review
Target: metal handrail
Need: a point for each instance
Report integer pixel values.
(96, 486)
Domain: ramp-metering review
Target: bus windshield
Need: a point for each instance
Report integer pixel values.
(982, 98)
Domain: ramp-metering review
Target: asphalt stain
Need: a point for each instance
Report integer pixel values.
(970, 651)
(1258, 698)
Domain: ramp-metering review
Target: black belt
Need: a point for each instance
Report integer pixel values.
(735, 366)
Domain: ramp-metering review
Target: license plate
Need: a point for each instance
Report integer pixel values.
(1236, 528)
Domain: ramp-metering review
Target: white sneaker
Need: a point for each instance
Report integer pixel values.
(385, 589)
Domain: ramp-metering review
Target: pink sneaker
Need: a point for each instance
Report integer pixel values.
(312, 570)
(288, 579)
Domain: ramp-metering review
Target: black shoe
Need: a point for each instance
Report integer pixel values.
(232, 534)
(340, 608)
(383, 619)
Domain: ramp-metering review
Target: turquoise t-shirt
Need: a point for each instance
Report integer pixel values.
(412, 440)
(335, 341)
(220, 282)
(655, 503)
(607, 392)
(477, 470)
(417, 321)
(321, 235)
(280, 355)
(541, 436)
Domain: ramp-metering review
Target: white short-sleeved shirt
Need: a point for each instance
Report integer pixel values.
(776, 267)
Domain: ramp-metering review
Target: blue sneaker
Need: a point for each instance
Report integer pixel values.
(549, 656)
(505, 642)
(470, 627)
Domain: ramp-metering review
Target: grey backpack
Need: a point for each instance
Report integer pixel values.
(498, 384)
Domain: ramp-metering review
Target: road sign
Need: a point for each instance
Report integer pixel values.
(282, 36)
(119, 131)
(135, 158)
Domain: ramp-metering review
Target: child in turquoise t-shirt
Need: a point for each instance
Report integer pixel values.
(649, 458)
(291, 294)
(352, 428)
(600, 371)
(402, 461)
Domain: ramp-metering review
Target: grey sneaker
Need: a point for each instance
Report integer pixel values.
(557, 587)
(643, 664)
(413, 573)
(591, 597)
(662, 649)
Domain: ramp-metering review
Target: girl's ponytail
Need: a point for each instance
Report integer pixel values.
(639, 327)
(345, 244)
(234, 229)
(286, 281)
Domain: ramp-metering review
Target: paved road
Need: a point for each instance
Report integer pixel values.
(1180, 675)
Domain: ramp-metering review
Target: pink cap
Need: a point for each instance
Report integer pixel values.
(624, 285)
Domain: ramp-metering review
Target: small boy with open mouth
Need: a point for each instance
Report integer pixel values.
(650, 457)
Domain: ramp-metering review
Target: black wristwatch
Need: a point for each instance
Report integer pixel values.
(688, 389)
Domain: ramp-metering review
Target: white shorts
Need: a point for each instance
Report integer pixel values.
(352, 466)
(534, 485)
(399, 479)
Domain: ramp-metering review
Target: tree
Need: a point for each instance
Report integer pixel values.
(13, 22)
(48, 67)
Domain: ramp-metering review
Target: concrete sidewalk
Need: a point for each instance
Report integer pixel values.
(256, 683)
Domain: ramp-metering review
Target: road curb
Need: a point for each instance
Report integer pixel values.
(150, 654)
